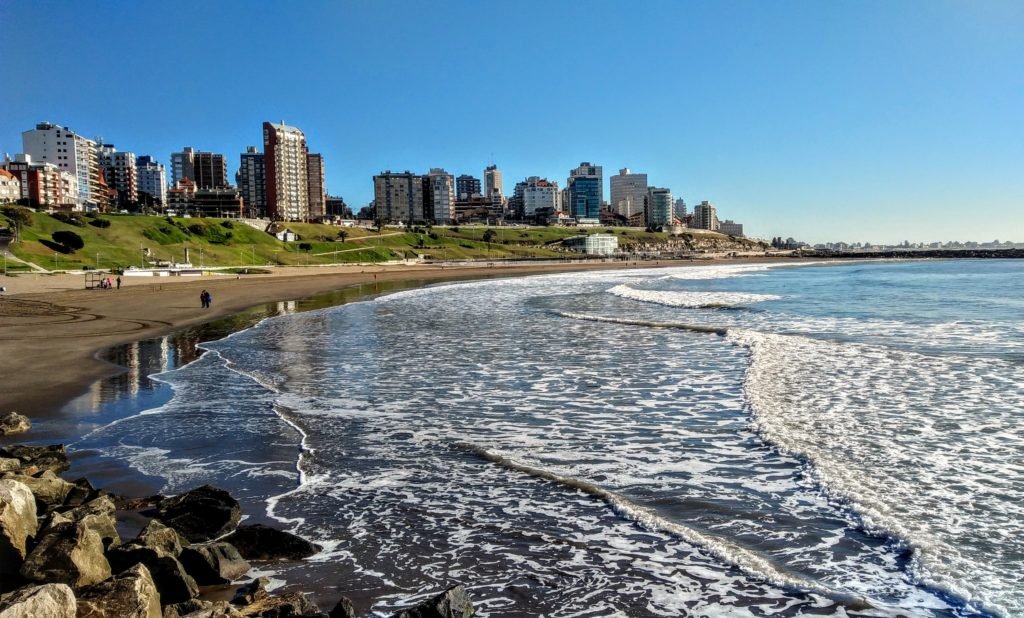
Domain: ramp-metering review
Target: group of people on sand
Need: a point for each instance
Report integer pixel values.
(108, 283)
(205, 299)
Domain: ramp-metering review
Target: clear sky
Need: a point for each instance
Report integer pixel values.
(874, 120)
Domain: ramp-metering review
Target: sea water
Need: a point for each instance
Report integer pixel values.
(828, 439)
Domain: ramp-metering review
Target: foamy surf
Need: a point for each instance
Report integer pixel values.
(868, 451)
(691, 299)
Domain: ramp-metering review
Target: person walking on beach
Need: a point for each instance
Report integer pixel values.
(204, 299)
(119, 282)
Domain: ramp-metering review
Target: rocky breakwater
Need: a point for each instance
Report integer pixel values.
(61, 554)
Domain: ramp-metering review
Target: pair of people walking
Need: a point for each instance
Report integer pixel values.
(205, 299)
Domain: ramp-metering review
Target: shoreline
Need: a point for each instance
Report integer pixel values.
(53, 323)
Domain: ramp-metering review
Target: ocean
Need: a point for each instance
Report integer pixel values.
(725, 440)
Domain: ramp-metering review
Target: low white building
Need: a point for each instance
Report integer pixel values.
(593, 244)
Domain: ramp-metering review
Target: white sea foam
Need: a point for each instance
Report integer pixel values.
(924, 447)
(691, 299)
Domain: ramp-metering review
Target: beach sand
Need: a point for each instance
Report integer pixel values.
(52, 329)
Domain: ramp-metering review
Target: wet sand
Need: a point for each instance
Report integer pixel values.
(52, 329)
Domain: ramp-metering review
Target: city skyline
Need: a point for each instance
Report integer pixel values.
(854, 123)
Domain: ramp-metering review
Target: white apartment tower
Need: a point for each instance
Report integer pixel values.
(152, 180)
(705, 216)
(70, 152)
(285, 163)
(539, 194)
(629, 191)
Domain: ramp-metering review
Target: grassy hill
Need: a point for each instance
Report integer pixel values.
(118, 241)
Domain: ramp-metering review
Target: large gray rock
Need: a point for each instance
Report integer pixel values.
(17, 524)
(197, 608)
(202, 514)
(213, 564)
(49, 600)
(97, 515)
(9, 464)
(53, 458)
(81, 492)
(12, 423)
(292, 604)
(69, 553)
(452, 603)
(49, 490)
(173, 582)
(250, 593)
(259, 542)
(131, 594)
(343, 609)
(158, 536)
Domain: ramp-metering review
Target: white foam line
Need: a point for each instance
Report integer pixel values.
(726, 551)
(677, 325)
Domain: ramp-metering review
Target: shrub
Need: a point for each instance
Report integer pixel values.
(100, 223)
(69, 240)
(227, 224)
(70, 219)
(305, 246)
(198, 229)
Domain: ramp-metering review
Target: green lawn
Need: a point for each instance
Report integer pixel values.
(225, 242)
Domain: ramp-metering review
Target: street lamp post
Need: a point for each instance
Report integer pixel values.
(97, 260)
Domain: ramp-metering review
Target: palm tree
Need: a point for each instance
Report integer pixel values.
(342, 235)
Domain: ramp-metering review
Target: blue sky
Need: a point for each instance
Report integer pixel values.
(861, 121)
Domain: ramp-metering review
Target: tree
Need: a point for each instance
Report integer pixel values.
(69, 240)
(342, 235)
(488, 237)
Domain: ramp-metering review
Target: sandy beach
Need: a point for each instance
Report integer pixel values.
(51, 328)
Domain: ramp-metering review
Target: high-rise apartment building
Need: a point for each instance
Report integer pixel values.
(658, 207)
(152, 182)
(285, 162)
(537, 194)
(467, 186)
(207, 170)
(705, 216)
(398, 197)
(679, 209)
(72, 153)
(492, 182)
(252, 182)
(585, 191)
(121, 175)
(628, 192)
(315, 186)
(439, 196)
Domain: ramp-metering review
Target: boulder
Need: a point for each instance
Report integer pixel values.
(81, 492)
(97, 515)
(201, 514)
(343, 609)
(158, 536)
(53, 458)
(172, 581)
(202, 609)
(69, 553)
(216, 563)
(247, 594)
(49, 490)
(131, 594)
(12, 423)
(259, 542)
(452, 603)
(292, 604)
(9, 464)
(50, 600)
(17, 524)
